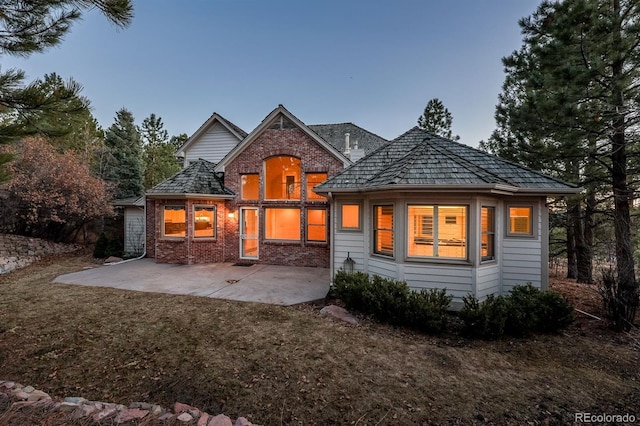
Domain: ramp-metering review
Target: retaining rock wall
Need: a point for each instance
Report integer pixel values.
(81, 411)
(17, 251)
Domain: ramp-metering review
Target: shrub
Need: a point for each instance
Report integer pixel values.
(426, 310)
(485, 320)
(620, 303)
(100, 249)
(524, 311)
(392, 301)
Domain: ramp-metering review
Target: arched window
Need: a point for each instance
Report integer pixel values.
(282, 178)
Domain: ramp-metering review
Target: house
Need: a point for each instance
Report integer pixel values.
(420, 208)
(134, 224)
(255, 203)
(439, 214)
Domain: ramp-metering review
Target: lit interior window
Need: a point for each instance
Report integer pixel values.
(314, 179)
(350, 216)
(520, 220)
(175, 221)
(282, 178)
(204, 221)
(383, 230)
(487, 248)
(282, 224)
(316, 225)
(249, 188)
(437, 231)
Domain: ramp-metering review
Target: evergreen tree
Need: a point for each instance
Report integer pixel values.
(568, 107)
(437, 119)
(178, 141)
(159, 153)
(32, 27)
(124, 165)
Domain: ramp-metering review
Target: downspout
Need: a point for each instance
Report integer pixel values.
(331, 235)
(144, 232)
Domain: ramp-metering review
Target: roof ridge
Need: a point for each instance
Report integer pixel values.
(353, 124)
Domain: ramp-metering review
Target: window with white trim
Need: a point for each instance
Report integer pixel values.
(383, 230)
(204, 221)
(437, 231)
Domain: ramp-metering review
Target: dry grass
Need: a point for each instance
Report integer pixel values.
(278, 365)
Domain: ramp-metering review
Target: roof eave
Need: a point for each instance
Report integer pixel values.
(181, 196)
(499, 189)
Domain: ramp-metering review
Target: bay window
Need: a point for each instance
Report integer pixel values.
(204, 221)
(488, 232)
(383, 230)
(175, 221)
(437, 231)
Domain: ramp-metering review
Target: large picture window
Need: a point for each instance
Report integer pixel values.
(282, 178)
(175, 221)
(317, 225)
(204, 221)
(249, 187)
(437, 231)
(383, 230)
(520, 220)
(282, 224)
(487, 240)
(314, 179)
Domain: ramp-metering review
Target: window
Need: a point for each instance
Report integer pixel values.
(488, 232)
(350, 217)
(520, 220)
(204, 221)
(282, 178)
(317, 225)
(437, 231)
(249, 187)
(314, 179)
(383, 230)
(282, 224)
(175, 222)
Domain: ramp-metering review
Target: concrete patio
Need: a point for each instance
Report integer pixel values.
(279, 285)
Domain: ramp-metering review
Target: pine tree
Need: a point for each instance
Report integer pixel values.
(124, 165)
(437, 119)
(32, 27)
(568, 107)
(159, 153)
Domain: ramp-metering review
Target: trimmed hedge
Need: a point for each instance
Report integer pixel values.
(524, 311)
(392, 301)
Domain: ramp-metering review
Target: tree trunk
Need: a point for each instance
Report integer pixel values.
(572, 271)
(627, 286)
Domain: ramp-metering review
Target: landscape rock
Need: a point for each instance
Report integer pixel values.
(220, 420)
(241, 421)
(339, 313)
(185, 417)
(113, 259)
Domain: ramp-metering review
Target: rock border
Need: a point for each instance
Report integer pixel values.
(78, 408)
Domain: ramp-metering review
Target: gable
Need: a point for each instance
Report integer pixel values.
(212, 145)
(281, 120)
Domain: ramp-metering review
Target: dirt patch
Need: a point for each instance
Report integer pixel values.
(279, 365)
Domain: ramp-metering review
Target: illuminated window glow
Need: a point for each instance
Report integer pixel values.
(487, 241)
(437, 231)
(520, 220)
(317, 225)
(249, 187)
(175, 222)
(383, 230)
(314, 179)
(282, 224)
(204, 221)
(350, 216)
(282, 178)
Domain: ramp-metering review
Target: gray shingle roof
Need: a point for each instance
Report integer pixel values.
(334, 134)
(198, 178)
(421, 159)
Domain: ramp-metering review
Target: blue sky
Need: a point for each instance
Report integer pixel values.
(374, 63)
